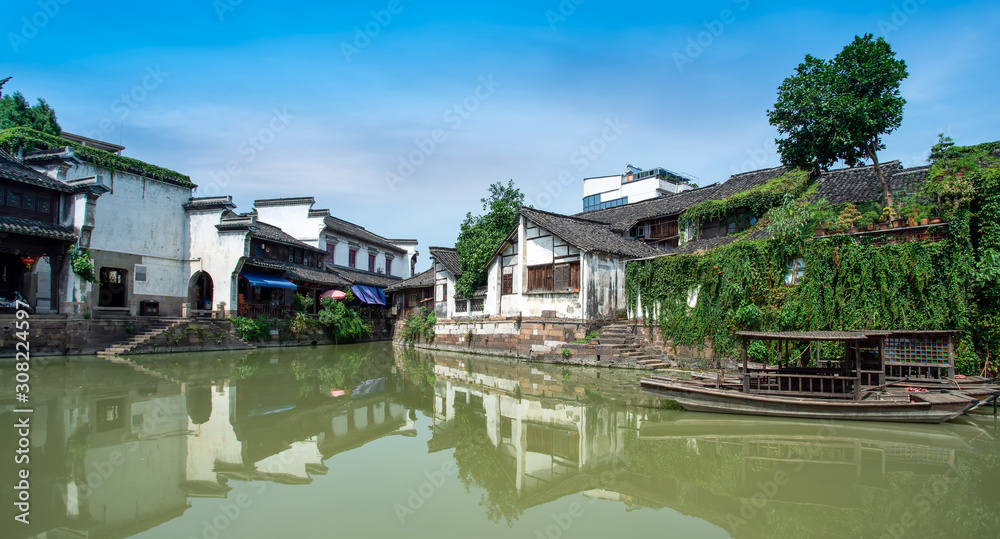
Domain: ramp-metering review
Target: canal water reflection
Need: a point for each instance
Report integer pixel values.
(372, 441)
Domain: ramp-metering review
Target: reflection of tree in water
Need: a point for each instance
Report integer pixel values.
(417, 366)
(199, 404)
(350, 367)
(319, 370)
(480, 464)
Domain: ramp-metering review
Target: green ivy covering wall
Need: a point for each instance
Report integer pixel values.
(849, 282)
(30, 140)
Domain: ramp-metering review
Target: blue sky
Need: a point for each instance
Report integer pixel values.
(397, 115)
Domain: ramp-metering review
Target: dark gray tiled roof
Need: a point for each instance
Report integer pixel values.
(423, 280)
(447, 257)
(299, 273)
(857, 184)
(747, 180)
(295, 201)
(479, 292)
(588, 235)
(909, 179)
(310, 275)
(14, 170)
(273, 233)
(30, 227)
(339, 226)
(204, 203)
(367, 278)
(622, 218)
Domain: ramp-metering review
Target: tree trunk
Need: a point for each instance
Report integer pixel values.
(886, 195)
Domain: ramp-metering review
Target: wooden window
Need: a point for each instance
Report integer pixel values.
(298, 256)
(352, 258)
(663, 230)
(13, 199)
(507, 284)
(371, 263)
(567, 276)
(29, 202)
(388, 266)
(331, 249)
(444, 292)
(554, 277)
(44, 205)
(540, 278)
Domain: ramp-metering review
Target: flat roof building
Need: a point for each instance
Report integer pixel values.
(632, 185)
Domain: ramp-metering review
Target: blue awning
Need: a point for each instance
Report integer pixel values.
(270, 281)
(369, 294)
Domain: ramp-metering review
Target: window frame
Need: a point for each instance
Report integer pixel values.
(795, 271)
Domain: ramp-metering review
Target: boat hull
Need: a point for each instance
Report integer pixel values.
(700, 398)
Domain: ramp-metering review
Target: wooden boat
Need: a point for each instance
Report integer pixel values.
(852, 386)
(695, 396)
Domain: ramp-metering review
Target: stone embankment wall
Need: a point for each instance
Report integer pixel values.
(545, 339)
(191, 336)
(58, 335)
(522, 338)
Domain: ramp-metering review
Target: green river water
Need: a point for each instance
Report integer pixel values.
(371, 441)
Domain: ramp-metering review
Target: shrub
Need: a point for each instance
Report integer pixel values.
(341, 321)
(251, 330)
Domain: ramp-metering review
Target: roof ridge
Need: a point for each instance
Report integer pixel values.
(754, 171)
(885, 164)
(574, 217)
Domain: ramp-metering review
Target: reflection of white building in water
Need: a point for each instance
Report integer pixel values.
(544, 442)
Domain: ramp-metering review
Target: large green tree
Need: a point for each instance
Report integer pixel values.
(482, 234)
(839, 109)
(16, 112)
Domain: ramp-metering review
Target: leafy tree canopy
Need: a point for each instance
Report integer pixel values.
(16, 112)
(839, 109)
(482, 234)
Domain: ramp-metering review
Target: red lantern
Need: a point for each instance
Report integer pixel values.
(28, 261)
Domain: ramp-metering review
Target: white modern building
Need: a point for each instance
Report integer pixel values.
(632, 185)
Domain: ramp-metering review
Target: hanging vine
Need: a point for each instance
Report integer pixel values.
(849, 282)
